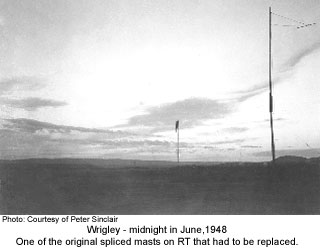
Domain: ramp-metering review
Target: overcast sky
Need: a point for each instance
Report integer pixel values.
(109, 78)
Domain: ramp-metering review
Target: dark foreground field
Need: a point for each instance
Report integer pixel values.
(133, 187)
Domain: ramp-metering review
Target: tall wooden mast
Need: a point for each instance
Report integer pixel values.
(270, 88)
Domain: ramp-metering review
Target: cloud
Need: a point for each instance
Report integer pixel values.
(20, 145)
(125, 143)
(233, 130)
(33, 126)
(234, 141)
(251, 146)
(243, 95)
(267, 121)
(14, 85)
(212, 145)
(21, 83)
(23, 138)
(297, 58)
(32, 103)
(190, 112)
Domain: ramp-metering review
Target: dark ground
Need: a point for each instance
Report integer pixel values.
(117, 187)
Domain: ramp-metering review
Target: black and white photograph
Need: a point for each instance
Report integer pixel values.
(160, 107)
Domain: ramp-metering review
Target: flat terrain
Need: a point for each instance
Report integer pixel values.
(66, 186)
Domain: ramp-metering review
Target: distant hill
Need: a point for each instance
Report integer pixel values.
(291, 159)
(297, 160)
(315, 160)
